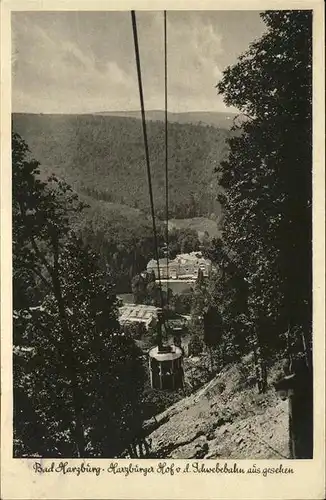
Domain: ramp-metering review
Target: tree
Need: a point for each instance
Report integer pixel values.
(153, 294)
(189, 241)
(205, 243)
(199, 303)
(227, 293)
(181, 303)
(200, 277)
(213, 329)
(195, 345)
(40, 222)
(182, 241)
(138, 287)
(70, 360)
(213, 326)
(267, 181)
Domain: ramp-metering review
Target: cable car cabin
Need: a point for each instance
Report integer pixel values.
(166, 367)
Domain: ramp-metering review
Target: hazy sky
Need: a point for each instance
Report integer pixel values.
(84, 61)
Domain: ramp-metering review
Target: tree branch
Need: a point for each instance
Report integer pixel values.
(40, 255)
(33, 242)
(38, 273)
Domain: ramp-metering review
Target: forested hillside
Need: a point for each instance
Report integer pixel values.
(121, 235)
(103, 157)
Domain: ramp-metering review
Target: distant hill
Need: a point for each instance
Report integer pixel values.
(214, 118)
(103, 158)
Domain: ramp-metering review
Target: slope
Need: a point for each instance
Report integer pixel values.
(225, 419)
(121, 235)
(103, 157)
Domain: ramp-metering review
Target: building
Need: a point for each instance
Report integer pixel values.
(138, 313)
(184, 266)
(152, 267)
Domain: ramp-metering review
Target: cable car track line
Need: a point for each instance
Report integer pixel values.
(143, 119)
(166, 158)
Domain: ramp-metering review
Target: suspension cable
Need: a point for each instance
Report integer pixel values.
(149, 177)
(166, 160)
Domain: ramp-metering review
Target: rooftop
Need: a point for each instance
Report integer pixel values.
(137, 313)
(174, 353)
(192, 257)
(162, 262)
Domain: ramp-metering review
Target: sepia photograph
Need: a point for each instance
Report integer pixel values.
(162, 169)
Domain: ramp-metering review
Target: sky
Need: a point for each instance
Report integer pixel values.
(80, 62)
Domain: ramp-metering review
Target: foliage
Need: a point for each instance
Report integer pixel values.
(40, 211)
(183, 240)
(212, 326)
(199, 304)
(135, 330)
(267, 183)
(146, 290)
(72, 367)
(195, 345)
(181, 303)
